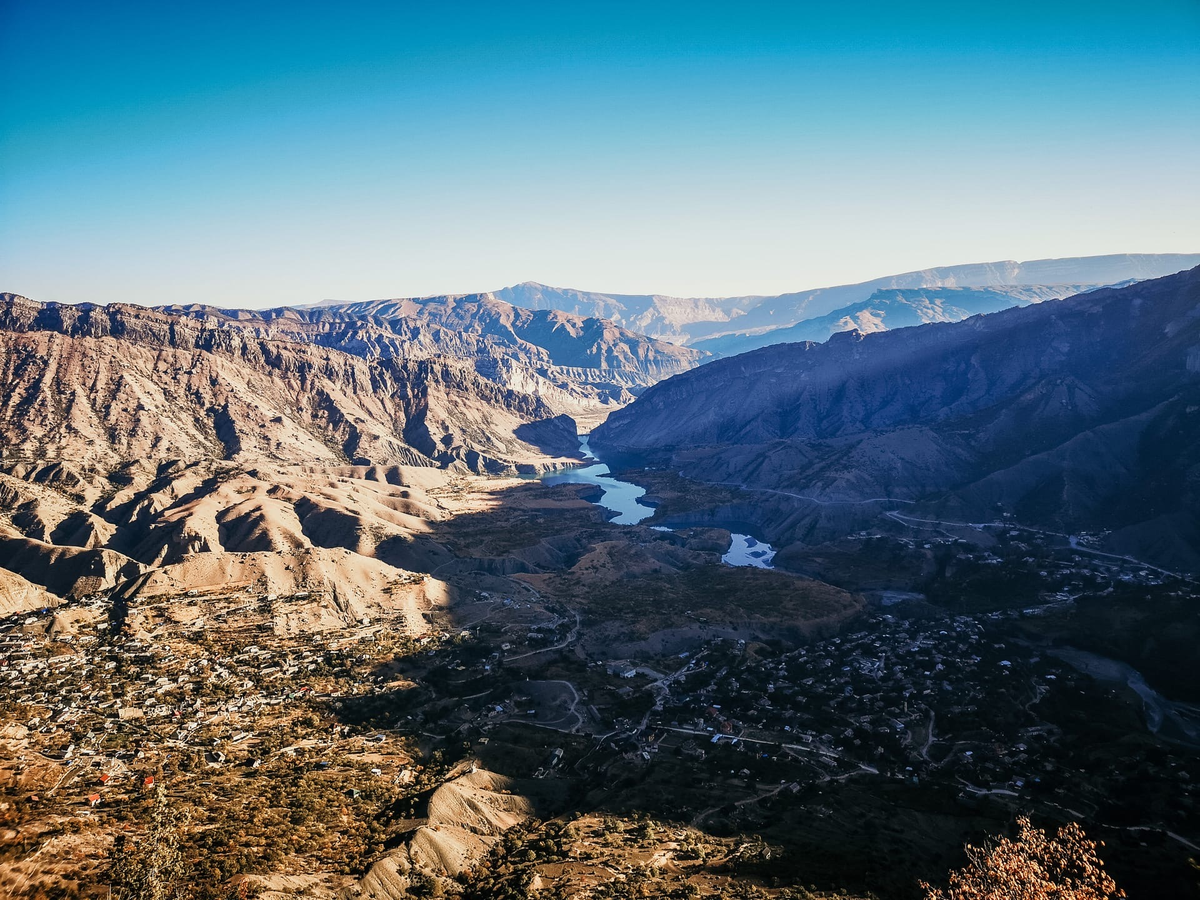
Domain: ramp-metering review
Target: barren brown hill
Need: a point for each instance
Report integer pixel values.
(100, 386)
(345, 543)
(158, 452)
(583, 367)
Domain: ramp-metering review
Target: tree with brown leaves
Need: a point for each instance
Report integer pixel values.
(1034, 866)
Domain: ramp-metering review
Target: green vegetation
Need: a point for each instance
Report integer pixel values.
(152, 865)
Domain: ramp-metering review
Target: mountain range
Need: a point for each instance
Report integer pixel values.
(888, 309)
(371, 378)
(590, 349)
(263, 543)
(1076, 414)
(687, 321)
(100, 386)
(137, 437)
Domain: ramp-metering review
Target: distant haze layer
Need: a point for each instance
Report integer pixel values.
(688, 320)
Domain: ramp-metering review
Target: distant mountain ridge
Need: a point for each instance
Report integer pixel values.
(686, 321)
(1075, 414)
(555, 338)
(656, 315)
(888, 309)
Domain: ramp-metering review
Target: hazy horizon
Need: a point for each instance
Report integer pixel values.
(284, 155)
(598, 291)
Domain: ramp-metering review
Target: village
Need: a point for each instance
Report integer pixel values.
(200, 696)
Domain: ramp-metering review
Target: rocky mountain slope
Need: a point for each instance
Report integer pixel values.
(657, 315)
(896, 308)
(576, 364)
(1075, 414)
(346, 535)
(157, 451)
(100, 386)
(687, 321)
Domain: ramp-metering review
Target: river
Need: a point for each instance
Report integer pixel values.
(618, 496)
(625, 499)
(745, 550)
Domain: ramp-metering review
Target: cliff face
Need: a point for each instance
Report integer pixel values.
(588, 358)
(103, 385)
(1049, 411)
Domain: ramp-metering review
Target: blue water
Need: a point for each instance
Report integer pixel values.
(621, 497)
(624, 499)
(744, 550)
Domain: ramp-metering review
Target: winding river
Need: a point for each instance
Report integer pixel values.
(619, 496)
(625, 499)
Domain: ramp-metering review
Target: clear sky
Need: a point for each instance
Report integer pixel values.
(256, 153)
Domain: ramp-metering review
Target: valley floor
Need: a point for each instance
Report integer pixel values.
(411, 683)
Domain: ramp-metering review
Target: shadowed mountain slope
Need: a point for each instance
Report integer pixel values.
(1074, 414)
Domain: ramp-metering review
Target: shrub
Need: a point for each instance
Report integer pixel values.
(1032, 867)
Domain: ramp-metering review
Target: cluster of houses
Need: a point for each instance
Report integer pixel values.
(92, 716)
(901, 697)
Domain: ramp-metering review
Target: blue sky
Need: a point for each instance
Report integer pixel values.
(260, 154)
